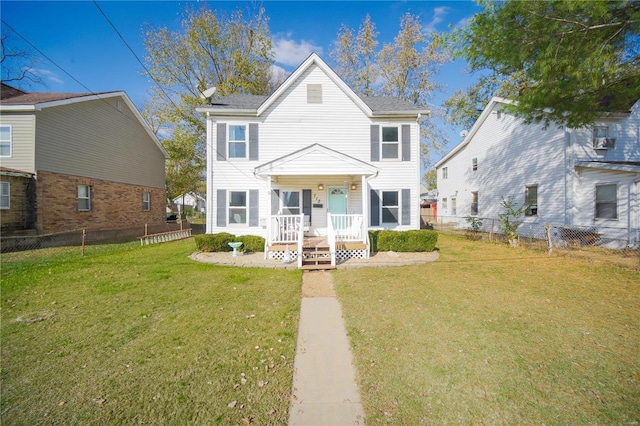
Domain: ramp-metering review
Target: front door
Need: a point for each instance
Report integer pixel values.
(337, 201)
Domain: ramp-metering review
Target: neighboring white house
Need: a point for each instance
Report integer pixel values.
(191, 200)
(586, 178)
(312, 158)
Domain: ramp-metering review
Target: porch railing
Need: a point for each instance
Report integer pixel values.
(348, 227)
(286, 229)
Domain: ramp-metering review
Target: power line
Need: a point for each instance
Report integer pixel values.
(134, 53)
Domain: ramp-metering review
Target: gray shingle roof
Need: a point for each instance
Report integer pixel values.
(239, 101)
(12, 96)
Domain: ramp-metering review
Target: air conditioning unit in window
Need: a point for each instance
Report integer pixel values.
(603, 143)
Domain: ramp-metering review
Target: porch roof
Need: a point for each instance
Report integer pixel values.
(314, 160)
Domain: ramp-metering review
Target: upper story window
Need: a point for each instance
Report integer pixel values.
(146, 201)
(390, 142)
(606, 201)
(5, 195)
(445, 172)
(237, 141)
(314, 93)
(444, 203)
(602, 139)
(474, 164)
(5, 141)
(84, 198)
(531, 200)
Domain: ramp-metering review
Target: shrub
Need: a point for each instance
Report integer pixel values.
(215, 242)
(407, 241)
(373, 240)
(252, 243)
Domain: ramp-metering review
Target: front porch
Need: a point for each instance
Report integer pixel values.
(288, 240)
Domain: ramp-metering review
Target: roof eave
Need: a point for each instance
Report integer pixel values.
(227, 112)
(411, 113)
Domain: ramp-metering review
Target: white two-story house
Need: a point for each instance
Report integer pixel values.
(584, 179)
(313, 159)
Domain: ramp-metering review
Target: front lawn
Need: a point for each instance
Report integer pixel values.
(128, 334)
(494, 335)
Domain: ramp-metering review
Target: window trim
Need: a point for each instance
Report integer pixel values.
(397, 207)
(245, 207)
(235, 141)
(596, 203)
(445, 173)
(87, 197)
(530, 212)
(5, 195)
(444, 203)
(396, 142)
(9, 142)
(474, 164)
(146, 201)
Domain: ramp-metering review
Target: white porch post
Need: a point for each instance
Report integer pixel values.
(365, 204)
(267, 241)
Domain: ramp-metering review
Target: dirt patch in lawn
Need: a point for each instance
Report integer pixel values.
(317, 284)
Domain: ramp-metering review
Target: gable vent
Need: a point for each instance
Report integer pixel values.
(314, 93)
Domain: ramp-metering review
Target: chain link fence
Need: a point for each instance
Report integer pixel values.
(620, 246)
(87, 236)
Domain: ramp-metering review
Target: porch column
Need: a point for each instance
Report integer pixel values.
(365, 202)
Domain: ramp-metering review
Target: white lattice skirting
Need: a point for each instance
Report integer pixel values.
(340, 254)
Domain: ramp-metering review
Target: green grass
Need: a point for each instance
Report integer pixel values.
(494, 335)
(128, 334)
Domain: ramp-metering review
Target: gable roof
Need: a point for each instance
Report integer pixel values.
(255, 105)
(16, 100)
(297, 163)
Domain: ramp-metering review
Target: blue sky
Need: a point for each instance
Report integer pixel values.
(86, 49)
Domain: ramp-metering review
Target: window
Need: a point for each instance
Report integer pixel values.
(600, 132)
(5, 195)
(454, 209)
(290, 202)
(146, 201)
(237, 207)
(390, 142)
(237, 141)
(474, 164)
(607, 201)
(5, 141)
(531, 200)
(474, 203)
(390, 207)
(84, 198)
(314, 93)
(444, 203)
(445, 173)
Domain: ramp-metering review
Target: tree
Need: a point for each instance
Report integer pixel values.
(17, 63)
(404, 69)
(430, 179)
(231, 53)
(565, 62)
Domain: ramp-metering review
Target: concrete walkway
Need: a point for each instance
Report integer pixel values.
(324, 386)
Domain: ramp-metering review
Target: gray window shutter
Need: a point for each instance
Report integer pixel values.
(221, 220)
(406, 206)
(375, 208)
(253, 141)
(375, 142)
(221, 146)
(406, 142)
(254, 211)
(306, 203)
(275, 201)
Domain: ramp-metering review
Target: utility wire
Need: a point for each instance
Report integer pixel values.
(134, 53)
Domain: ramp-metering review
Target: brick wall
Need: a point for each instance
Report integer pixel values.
(113, 205)
(20, 213)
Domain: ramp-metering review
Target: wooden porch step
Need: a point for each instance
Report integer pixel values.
(316, 258)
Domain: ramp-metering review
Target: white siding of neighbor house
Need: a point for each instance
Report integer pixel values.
(510, 157)
(22, 141)
(512, 154)
(291, 124)
(95, 139)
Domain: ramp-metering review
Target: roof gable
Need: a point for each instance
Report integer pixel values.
(324, 161)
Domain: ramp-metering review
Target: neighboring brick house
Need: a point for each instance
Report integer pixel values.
(77, 160)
